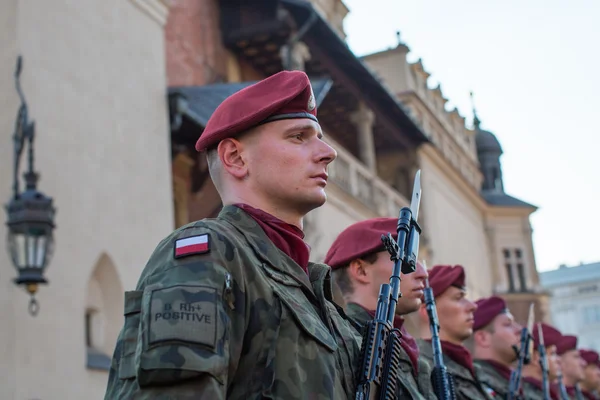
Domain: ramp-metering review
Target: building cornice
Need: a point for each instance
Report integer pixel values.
(158, 10)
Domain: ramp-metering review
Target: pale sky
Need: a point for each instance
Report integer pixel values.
(533, 67)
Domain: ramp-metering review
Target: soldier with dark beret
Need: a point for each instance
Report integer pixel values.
(231, 307)
(496, 341)
(591, 383)
(532, 384)
(572, 365)
(360, 266)
(455, 314)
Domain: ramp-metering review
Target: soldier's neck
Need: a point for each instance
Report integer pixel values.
(585, 387)
(486, 354)
(569, 381)
(292, 217)
(532, 371)
(450, 339)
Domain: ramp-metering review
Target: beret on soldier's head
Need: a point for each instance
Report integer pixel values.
(488, 309)
(441, 277)
(590, 356)
(567, 343)
(285, 95)
(552, 336)
(359, 240)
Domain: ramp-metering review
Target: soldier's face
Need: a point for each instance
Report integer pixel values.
(287, 164)
(553, 362)
(505, 335)
(573, 365)
(455, 312)
(411, 285)
(592, 376)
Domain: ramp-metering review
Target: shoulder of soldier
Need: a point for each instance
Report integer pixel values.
(210, 241)
(425, 349)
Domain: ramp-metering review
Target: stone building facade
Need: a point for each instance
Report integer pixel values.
(575, 301)
(469, 219)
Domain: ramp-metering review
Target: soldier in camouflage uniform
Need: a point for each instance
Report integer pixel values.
(591, 382)
(495, 343)
(230, 308)
(360, 266)
(455, 313)
(572, 365)
(532, 372)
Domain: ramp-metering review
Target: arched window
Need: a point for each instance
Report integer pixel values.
(103, 313)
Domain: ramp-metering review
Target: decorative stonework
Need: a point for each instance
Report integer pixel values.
(296, 56)
(158, 10)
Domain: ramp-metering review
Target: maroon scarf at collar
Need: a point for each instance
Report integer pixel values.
(286, 237)
(588, 395)
(502, 369)
(458, 354)
(408, 343)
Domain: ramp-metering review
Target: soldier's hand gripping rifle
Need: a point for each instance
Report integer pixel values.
(543, 364)
(442, 382)
(514, 386)
(379, 368)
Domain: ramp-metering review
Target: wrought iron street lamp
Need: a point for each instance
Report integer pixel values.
(30, 213)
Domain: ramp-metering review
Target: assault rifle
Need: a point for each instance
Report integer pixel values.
(442, 382)
(380, 353)
(543, 364)
(561, 387)
(514, 386)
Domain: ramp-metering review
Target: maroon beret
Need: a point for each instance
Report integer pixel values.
(567, 343)
(488, 309)
(441, 277)
(552, 336)
(360, 239)
(590, 356)
(285, 95)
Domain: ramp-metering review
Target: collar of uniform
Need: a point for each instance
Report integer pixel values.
(454, 368)
(358, 313)
(262, 245)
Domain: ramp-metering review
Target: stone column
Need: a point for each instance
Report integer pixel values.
(296, 56)
(363, 119)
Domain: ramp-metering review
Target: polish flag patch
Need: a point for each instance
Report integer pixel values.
(192, 245)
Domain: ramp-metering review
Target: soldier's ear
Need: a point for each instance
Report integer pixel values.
(482, 338)
(358, 271)
(230, 153)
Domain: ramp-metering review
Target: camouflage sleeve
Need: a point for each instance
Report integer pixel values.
(184, 324)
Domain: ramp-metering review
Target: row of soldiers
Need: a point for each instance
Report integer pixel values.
(232, 308)
(480, 340)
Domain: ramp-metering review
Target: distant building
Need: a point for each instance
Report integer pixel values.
(575, 301)
(467, 216)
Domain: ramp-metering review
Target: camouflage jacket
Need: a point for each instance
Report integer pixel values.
(411, 387)
(466, 386)
(240, 320)
(532, 389)
(492, 381)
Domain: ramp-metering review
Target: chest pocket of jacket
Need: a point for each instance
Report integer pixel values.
(133, 305)
(294, 300)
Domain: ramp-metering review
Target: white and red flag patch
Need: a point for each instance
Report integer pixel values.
(192, 245)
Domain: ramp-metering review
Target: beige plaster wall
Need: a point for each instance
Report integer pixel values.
(94, 78)
(455, 226)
